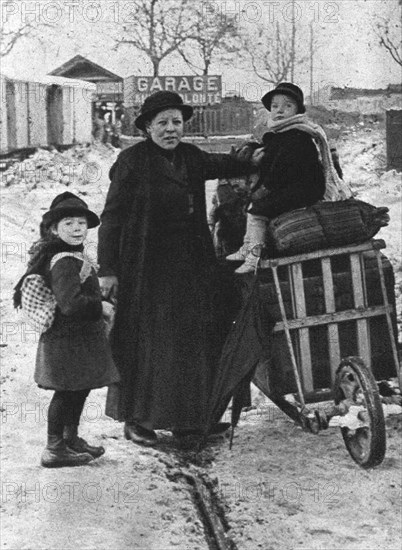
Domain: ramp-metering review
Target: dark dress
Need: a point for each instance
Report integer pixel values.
(74, 353)
(173, 313)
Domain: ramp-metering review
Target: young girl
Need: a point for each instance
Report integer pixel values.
(73, 355)
(294, 171)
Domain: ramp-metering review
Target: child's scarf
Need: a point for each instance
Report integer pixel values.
(335, 189)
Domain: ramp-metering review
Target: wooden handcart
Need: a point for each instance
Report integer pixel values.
(303, 340)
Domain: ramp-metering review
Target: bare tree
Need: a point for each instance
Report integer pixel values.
(314, 45)
(270, 52)
(212, 35)
(157, 28)
(388, 30)
(14, 28)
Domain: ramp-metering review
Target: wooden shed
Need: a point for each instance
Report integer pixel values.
(109, 86)
(48, 111)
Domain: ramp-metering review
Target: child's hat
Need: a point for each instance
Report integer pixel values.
(65, 205)
(289, 89)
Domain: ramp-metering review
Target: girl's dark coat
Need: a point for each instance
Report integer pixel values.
(172, 316)
(291, 175)
(74, 353)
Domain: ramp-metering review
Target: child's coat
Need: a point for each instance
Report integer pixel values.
(74, 353)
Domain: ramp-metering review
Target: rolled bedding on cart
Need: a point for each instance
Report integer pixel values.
(325, 224)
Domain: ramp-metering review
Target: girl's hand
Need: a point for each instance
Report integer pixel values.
(260, 193)
(257, 156)
(108, 286)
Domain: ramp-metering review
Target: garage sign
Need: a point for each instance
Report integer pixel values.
(194, 90)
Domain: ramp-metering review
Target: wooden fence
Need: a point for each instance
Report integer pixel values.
(231, 117)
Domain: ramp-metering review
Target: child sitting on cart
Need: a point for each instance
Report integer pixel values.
(294, 172)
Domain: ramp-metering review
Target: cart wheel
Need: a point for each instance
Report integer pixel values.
(355, 384)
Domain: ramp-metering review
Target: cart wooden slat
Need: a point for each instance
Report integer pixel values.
(333, 333)
(301, 323)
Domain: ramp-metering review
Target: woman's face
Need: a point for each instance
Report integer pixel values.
(166, 128)
(72, 231)
(283, 106)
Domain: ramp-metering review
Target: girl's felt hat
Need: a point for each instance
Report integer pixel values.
(285, 88)
(65, 205)
(160, 101)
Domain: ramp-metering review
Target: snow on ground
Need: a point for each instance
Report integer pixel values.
(280, 487)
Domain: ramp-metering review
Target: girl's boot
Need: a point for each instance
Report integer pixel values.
(241, 254)
(257, 231)
(254, 230)
(78, 444)
(57, 454)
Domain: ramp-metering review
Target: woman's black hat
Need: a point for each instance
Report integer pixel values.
(65, 205)
(159, 101)
(285, 88)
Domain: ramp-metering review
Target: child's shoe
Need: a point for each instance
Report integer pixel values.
(240, 255)
(78, 444)
(58, 455)
(251, 261)
(253, 242)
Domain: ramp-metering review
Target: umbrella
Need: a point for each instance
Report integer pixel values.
(241, 353)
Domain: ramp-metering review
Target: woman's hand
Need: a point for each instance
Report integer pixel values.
(107, 310)
(109, 286)
(108, 313)
(245, 151)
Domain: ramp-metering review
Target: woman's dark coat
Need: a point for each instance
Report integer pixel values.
(291, 175)
(74, 353)
(172, 313)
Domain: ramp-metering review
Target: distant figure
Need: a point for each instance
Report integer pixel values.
(107, 136)
(117, 131)
(98, 129)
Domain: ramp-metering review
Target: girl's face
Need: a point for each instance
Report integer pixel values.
(283, 106)
(166, 129)
(72, 231)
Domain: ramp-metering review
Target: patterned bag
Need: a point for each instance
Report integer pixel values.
(37, 299)
(38, 302)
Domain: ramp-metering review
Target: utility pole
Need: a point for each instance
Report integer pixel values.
(311, 64)
(293, 44)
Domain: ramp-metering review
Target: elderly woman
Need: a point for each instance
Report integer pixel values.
(156, 256)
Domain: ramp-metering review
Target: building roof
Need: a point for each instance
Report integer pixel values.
(50, 80)
(80, 67)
